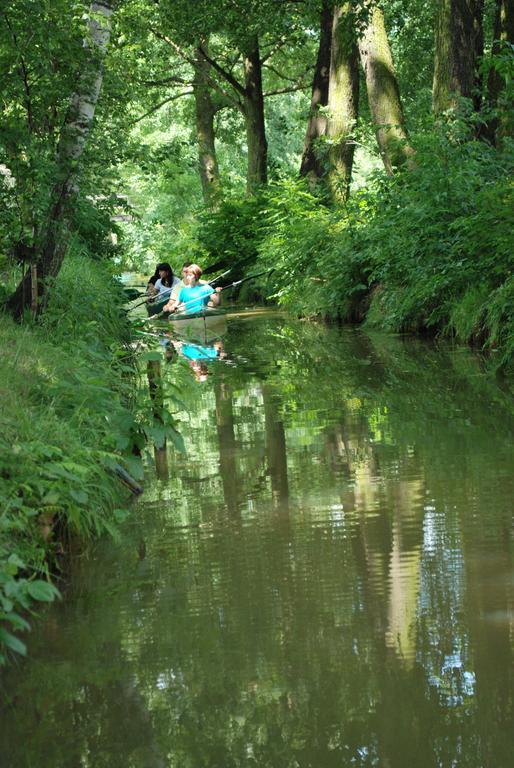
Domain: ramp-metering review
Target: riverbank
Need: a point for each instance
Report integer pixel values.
(427, 251)
(67, 417)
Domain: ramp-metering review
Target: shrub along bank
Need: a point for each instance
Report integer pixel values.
(429, 250)
(66, 419)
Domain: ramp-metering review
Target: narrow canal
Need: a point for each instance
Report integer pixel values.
(324, 579)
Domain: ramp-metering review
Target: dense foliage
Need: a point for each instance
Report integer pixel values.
(430, 250)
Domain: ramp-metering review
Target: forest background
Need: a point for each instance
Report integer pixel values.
(361, 150)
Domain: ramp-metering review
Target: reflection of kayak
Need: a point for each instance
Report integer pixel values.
(203, 328)
(198, 352)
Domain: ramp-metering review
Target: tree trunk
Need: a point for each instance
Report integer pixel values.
(383, 92)
(312, 165)
(458, 45)
(205, 111)
(498, 127)
(257, 173)
(74, 135)
(343, 103)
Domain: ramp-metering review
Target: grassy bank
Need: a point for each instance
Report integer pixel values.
(66, 419)
(428, 250)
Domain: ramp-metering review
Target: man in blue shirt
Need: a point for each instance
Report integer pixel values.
(194, 296)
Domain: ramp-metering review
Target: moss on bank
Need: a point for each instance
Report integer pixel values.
(66, 418)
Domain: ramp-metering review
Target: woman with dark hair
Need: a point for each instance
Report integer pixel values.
(163, 281)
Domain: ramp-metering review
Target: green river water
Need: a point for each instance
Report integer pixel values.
(324, 580)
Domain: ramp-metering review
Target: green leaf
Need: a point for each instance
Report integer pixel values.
(80, 497)
(15, 560)
(42, 590)
(17, 621)
(176, 439)
(134, 466)
(12, 642)
(151, 356)
(51, 498)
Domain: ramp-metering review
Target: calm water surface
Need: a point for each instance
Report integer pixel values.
(325, 580)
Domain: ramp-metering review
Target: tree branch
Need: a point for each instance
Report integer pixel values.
(285, 77)
(293, 89)
(236, 85)
(273, 50)
(166, 81)
(173, 44)
(161, 104)
(190, 60)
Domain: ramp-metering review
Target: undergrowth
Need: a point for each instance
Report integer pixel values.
(66, 420)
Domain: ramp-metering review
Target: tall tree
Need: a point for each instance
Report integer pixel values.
(244, 38)
(205, 110)
(503, 33)
(248, 97)
(383, 91)
(312, 166)
(343, 101)
(253, 111)
(458, 47)
(50, 250)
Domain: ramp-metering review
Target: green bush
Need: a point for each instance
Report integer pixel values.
(318, 271)
(441, 238)
(427, 250)
(230, 236)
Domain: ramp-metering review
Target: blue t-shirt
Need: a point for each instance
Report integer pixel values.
(195, 297)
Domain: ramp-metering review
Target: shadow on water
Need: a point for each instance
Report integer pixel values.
(325, 579)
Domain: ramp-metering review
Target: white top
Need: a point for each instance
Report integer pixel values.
(165, 290)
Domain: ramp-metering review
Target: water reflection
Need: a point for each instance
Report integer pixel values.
(326, 579)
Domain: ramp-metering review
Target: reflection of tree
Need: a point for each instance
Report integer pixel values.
(227, 444)
(161, 462)
(404, 566)
(276, 450)
(490, 597)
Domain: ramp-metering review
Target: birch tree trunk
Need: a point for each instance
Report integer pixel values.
(74, 135)
(383, 92)
(253, 110)
(312, 165)
(205, 111)
(458, 45)
(343, 103)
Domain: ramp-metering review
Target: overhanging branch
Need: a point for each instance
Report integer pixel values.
(161, 104)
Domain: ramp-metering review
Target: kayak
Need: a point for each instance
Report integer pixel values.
(154, 307)
(132, 293)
